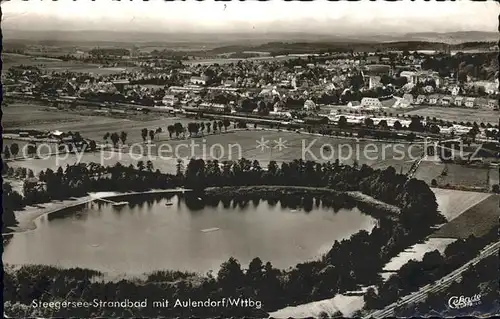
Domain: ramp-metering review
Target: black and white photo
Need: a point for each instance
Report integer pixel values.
(250, 159)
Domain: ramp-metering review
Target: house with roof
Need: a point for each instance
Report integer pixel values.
(493, 104)
(198, 80)
(354, 104)
(433, 99)
(120, 84)
(374, 81)
(469, 101)
(481, 102)
(459, 101)
(410, 76)
(169, 100)
(446, 100)
(420, 99)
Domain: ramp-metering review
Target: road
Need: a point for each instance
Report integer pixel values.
(437, 286)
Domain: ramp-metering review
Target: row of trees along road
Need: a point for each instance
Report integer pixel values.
(115, 137)
(195, 128)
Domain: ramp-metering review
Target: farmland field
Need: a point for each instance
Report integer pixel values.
(96, 126)
(19, 115)
(477, 220)
(429, 170)
(452, 203)
(36, 117)
(235, 144)
(235, 60)
(494, 176)
(13, 59)
(457, 175)
(53, 64)
(458, 114)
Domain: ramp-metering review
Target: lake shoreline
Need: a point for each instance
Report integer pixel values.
(27, 217)
(263, 192)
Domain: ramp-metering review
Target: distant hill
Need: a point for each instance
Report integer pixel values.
(209, 44)
(252, 39)
(454, 37)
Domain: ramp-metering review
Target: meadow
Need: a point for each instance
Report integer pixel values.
(232, 145)
(36, 117)
(452, 203)
(455, 114)
(454, 174)
(477, 220)
(24, 116)
(54, 64)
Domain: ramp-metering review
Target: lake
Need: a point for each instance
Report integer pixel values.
(148, 235)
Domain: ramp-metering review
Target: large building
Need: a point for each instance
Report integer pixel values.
(374, 81)
(410, 76)
(199, 80)
(377, 70)
(370, 102)
(120, 84)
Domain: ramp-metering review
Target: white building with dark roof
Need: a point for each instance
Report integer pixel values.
(370, 102)
(470, 102)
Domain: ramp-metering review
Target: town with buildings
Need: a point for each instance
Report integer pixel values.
(355, 84)
(337, 172)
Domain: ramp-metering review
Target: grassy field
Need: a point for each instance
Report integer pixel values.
(494, 176)
(457, 175)
(95, 127)
(54, 64)
(13, 59)
(452, 203)
(232, 146)
(477, 220)
(235, 60)
(20, 115)
(36, 117)
(458, 114)
(235, 144)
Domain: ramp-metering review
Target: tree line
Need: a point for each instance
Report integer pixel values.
(338, 271)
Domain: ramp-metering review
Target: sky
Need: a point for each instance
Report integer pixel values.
(251, 16)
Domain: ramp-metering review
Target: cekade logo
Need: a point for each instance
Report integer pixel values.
(461, 302)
